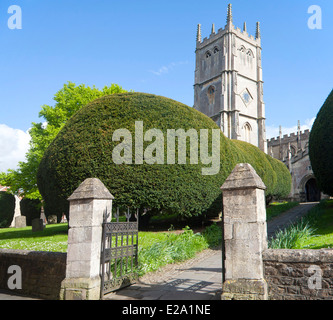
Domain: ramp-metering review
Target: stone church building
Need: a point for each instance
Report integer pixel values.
(228, 82)
(293, 151)
(228, 88)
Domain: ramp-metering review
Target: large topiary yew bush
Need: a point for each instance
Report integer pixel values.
(321, 147)
(87, 145)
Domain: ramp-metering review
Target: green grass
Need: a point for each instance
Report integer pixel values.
(323, 237)
(156, 249)
(52, 238)
(293, 237)
(277, 208)
(314, 231)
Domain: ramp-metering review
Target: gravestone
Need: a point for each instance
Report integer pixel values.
(52, 219)
(37, 225)
(17, 212)
(20, 222)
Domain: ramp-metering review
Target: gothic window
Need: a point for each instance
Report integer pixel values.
(250, 53)
(211, 94)
(249, 57)
(208, 54)
(242, 49)
(247, 132)
(216, 50)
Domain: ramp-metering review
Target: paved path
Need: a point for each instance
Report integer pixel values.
(201, 281)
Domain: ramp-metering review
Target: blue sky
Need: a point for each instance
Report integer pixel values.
(148, 46)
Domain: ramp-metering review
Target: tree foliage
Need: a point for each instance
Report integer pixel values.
(84, 149)
(68, 100)
(321, 146)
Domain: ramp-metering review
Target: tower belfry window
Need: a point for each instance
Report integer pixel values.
(211, 94)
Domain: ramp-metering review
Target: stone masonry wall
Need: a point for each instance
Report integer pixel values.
(42, 272)
(299, 274)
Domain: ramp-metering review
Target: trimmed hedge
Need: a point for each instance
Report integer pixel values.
(83, 149)
(7, 209)
(321, 147)
(281, 189)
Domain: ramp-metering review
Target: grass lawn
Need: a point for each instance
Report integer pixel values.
(156, 249)
(323, 235)
(53, 238)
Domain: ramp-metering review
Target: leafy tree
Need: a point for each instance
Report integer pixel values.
(321, 147)
(68, 100)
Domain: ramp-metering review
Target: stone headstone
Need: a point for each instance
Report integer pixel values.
(42, 215)
(17, 212)
(20, 222)
(63, 219)
(52, 219)
(37, 225)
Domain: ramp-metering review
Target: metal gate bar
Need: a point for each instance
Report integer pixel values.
(119, 259)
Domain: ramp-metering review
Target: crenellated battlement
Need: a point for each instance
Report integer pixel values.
(243, 34)
(287, 138)
(229, 28)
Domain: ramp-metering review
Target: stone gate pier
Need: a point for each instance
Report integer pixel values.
(245, 235)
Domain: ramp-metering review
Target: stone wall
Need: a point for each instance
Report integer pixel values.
(41, 272)
(299, 274)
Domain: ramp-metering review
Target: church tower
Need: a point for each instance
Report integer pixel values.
(228, 82)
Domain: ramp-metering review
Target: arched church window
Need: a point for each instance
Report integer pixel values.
(250, 53)
(216, 50)
(242, 49)
(211, 90)
(208, 54)
(211, 94)
(247, 132)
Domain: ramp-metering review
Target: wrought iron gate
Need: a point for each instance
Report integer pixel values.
(119, 255)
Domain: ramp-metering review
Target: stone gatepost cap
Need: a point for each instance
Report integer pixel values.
(243, 177)
(91, 188)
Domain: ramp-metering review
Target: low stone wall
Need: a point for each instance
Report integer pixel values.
(41, 272)
(299, 274)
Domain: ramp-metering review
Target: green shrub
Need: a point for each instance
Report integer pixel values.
(282, 187)
(295, 235)
(7, 209)
(259, 162)
(321, 147)
(292, 237)
(83, 149)
(213, 235)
